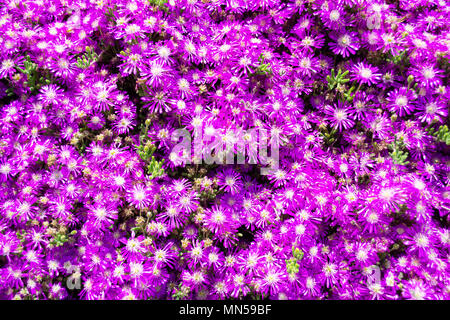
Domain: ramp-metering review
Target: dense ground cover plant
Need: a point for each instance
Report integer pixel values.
(95, 204)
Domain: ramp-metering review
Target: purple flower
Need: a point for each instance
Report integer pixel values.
(365, 74)
(139, 196)
(230, 181)
(95, 194)
(401, 101)
(426, 75)
(50, 94)
(430, 109)
(339, 116)
(346, 43)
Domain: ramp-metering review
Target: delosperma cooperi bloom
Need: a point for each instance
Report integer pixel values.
(224, 150)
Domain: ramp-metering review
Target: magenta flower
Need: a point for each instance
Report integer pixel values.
(401, 101)
(139, 196)
(230, 181)
(98, 200)
(339, 116)
(365, 74)
(427, 76)
(345, 44)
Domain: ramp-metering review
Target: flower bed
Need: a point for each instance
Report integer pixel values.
(224, 149)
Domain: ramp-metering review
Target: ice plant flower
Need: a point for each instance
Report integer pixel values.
(333, 182)
(365, 74)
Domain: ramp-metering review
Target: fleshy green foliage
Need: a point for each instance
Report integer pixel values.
(336, 80)
(154, 167)
(110, 14)
(61, 238)
(158, 3)
(398, 58)
(263, 68)
(348, 94)
(442, 134)
(297, 253)
(34, 81)
(180, 293)
(145, 151)
(329, 137)
(292, 264)
(138, 230)
(87, 59)
(397, 154)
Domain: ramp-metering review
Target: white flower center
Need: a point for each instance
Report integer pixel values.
(401, 101)
(139, 195)
(421, 240)
(428, 73)
(156, 70)
(366, 73)
(344, 40)
(340, 115)
(334, 15)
